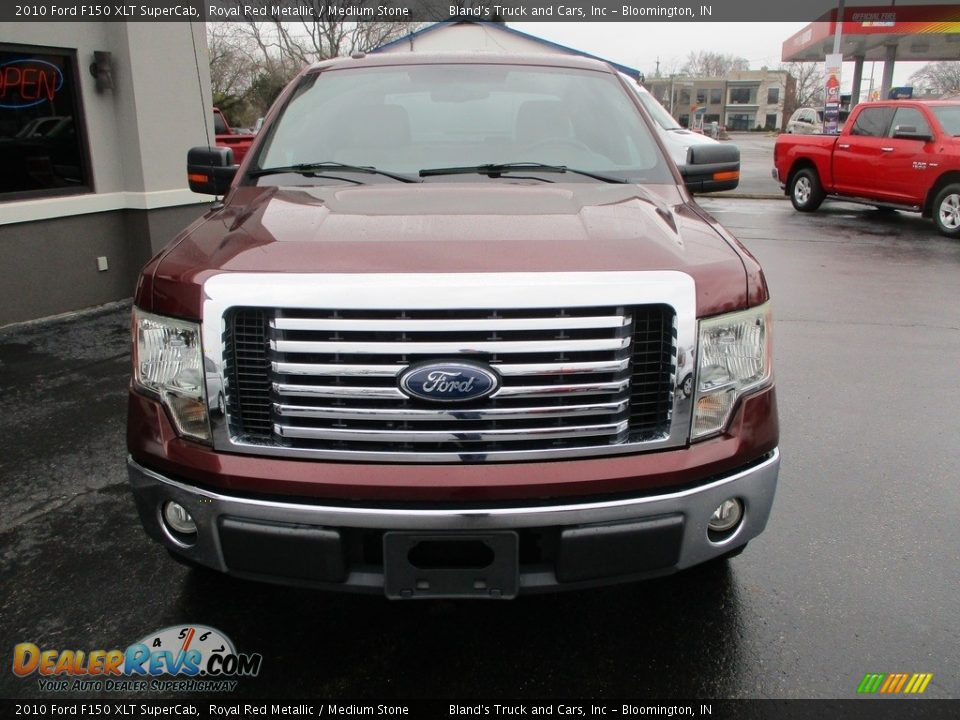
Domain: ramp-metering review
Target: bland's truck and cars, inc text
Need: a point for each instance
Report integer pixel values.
(457, 329)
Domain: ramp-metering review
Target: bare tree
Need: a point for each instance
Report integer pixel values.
(939, 78)
(809, 87)
(253, 60)
(666, 68)
(324, 34)
(232, 68)
(706, 63)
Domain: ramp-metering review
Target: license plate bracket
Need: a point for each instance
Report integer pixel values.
(451, 565)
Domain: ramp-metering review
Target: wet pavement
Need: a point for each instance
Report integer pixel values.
(858, 570)
(756, 161)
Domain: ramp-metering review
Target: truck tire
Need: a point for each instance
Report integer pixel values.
(946, 211)
(806, 193)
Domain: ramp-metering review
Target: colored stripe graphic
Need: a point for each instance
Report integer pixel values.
(927, 677)
(870, 683)
(894, 683)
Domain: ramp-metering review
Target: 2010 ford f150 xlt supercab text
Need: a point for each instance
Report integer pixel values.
(457, 329)
(896, 154)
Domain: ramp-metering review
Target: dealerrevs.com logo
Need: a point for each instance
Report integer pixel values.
(181, 658)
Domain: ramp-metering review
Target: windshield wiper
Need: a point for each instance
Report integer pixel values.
(497, 169)
(311, 169)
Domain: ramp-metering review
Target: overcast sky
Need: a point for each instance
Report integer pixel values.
(640, 44)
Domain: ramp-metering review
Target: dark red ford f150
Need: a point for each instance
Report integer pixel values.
(897, 154)
(457, 329)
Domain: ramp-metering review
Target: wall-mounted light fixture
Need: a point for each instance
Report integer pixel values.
(102, 69)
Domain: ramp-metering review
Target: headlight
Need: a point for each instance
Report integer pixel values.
(734, 357)
(168, 364)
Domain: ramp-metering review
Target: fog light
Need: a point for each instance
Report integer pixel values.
(726, 516)
(178, 519)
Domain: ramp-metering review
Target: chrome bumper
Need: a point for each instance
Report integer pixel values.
(755, 486)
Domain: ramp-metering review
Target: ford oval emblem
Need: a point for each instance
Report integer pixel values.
(449, 381)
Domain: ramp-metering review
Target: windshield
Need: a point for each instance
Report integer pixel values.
(416, 117)
(949, 118)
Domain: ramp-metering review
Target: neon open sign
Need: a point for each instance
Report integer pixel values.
(28, 82)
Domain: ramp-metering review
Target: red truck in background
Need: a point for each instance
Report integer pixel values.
(227, 138)
(896, 154)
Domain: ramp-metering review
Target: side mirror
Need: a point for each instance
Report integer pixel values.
(711, 168)
(210, 170)
(910, 132)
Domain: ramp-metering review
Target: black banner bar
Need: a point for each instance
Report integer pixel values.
(202, 709)
(440, 10)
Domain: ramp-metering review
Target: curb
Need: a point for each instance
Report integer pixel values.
(745, 196)
(82, 312)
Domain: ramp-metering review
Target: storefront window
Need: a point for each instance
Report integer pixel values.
(739, 121)
(42, 140)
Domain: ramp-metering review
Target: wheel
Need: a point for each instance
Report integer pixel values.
(806, 193)
(946, 211)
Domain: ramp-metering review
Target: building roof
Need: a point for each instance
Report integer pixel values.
(502, 27)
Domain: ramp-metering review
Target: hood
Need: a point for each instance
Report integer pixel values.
(447, 227)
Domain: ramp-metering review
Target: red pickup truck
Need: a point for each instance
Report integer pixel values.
(457, 329)
(899, 154)
(227, 138)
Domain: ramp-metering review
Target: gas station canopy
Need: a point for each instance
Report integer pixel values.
(926, 33)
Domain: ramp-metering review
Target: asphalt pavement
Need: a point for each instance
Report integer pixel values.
(858, 570)
(756, 161)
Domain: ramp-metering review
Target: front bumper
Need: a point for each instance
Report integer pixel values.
(564, 545)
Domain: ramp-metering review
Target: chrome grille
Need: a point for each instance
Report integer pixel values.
(315, 380)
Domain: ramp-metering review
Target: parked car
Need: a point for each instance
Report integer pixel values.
(809, 121)
(474, 338)
(895, 154)
(680, 142)
(227, 137)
